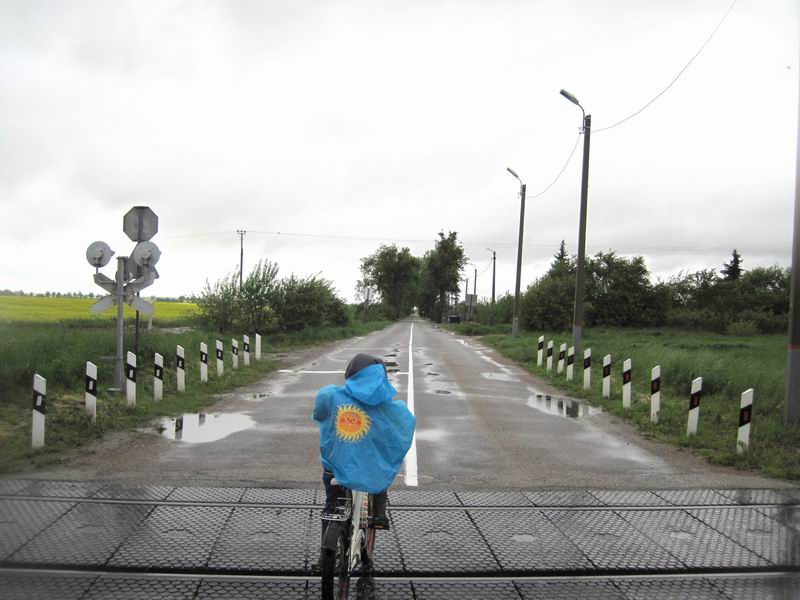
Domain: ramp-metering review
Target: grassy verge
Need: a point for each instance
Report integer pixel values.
(729, 365)
(59, 351)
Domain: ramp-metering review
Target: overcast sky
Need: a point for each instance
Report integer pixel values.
(373, 121)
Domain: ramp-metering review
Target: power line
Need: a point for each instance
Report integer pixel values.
(661, 93)
(561, 172)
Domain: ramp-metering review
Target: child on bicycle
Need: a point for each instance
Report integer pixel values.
(363, 434)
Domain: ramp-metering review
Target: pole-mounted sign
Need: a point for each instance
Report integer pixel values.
(134, 273)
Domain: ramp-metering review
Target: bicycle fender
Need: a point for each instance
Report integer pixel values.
(331, 536)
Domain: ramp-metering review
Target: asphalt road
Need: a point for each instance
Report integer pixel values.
(480, 424)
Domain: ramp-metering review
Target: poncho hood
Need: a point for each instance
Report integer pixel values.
(370, 386)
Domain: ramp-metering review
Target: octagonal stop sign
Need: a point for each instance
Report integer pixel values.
(140, 223)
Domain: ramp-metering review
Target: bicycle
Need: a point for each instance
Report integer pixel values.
(349, 540)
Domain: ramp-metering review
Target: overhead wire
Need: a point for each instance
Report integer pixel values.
(670, 84)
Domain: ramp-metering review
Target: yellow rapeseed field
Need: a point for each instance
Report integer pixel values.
(46, 310)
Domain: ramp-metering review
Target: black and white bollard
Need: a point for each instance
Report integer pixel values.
(562, 355)
(540, 351)
(235, 354)
(587, 368)
(158, 377)
(179, 427)
(626, 383)
(694, 406)
(220, 365)
(550, 355)
(39, 410)
(180, 368)
(745, 415)
(258, 347)
(203, 362)
(90, 395)
(607, 376)
(655, 393)
(570, 362)
(130, 379)
(246, 350)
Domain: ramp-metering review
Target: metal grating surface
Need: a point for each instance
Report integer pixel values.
(20, 520)
(624, 498)
(173, 537)
(206, 494)
(10, 487)
(420, 498)
(493, 499)
(62, 489)
(504, 590)
(570, 590)
(694, 497)
(278, 496)
(754, 587)
(669, 589)
(366, 589)
(696, 544)
(386, 557)
(253, 590)
(124, 491)
(441, 541)
(263, 539)
(143, 588)
(525, 541)
(758, 496)
(19, 586)
(86, 535)
(563, 498)
(610, 542)
(755, 530)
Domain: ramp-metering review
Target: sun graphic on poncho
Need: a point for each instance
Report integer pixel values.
(352, 423)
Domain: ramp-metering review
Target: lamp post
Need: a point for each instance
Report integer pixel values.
(494, 264)
(515, 322)
(474, 290)
(577, 318)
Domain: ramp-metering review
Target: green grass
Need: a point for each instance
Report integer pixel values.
(59, 351)
(35, 309)
(729, 365)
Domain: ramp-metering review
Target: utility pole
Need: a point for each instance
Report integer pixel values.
(791, 405)
(466, 297)
(241, 233)
(494, 265)
(474, 293)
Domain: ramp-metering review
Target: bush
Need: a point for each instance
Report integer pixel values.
(743, 328)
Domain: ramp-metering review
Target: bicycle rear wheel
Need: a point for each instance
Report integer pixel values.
(335, 567)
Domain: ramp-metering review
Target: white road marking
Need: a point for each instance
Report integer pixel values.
(411, 456)
(310, 372)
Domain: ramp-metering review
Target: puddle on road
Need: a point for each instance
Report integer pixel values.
(200, 428)
(431, 435)
(500, 377)
(561, 407)
(443, 392)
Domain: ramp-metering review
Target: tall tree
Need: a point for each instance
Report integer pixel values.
(440, 274)
(394, 273)
(732, 271)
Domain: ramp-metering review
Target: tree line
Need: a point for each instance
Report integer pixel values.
(620, 292)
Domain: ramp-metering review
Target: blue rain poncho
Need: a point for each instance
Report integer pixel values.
(363, 434)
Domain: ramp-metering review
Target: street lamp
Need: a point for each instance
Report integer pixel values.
(577, 318)
(515, 322)
(474, 291)
(494, 264)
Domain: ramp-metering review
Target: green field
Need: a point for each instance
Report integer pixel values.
(44, 338)
(36, 309)
(729, 365)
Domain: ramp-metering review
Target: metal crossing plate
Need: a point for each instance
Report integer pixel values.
(493, 499)
(21, 520)
(563, 498)
(685, 589)
(501, 590)
(278, 496)
(173, 537)
(206, 494)
(625, 498)
(570, 590)
(526, 541)
(610, 542)
(265, 540)
(695, 497)
(24, 586)
(782, 587)
(211, 589)
(697, 545)
(124, 491)
(9, 487)
(441, 541)
(86, 535)
(62, 489)
(138, 588)
(422, 498)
